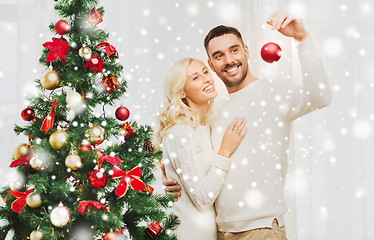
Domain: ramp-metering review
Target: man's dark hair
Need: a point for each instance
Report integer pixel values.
(219, 31)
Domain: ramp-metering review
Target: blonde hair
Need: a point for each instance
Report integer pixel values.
(176, 109)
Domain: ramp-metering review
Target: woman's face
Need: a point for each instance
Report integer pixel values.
(199, 87)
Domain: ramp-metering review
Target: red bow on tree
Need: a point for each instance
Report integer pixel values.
(48, 121)
(20, 202)
(113, 160)
(109, 49)
(85, 204)
(20, 161)
(58, 48)
(131, 178)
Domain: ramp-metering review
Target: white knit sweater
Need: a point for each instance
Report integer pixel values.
(252, 195)
(189, 158)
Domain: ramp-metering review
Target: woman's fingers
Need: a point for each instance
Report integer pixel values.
(232, 124)
(241, 124)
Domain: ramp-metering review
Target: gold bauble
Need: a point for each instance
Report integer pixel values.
(73, 98)
(73, 161)
(51, 80)
(36, 235)
(36, 163)
(58, 139)
(23, 150)
(33, 200)
(85, 52)
(60, 216)
(96, 133)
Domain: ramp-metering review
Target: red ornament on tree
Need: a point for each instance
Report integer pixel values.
(122, 113)
(271, 52)
(97, 179)
(111, 236)
(128, 131)
(153, 229)
(28, 114)
(94, 64)
(62, 27)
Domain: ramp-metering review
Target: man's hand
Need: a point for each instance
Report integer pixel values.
(289, 25)
(171, 186)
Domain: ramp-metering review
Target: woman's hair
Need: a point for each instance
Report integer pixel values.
(175, 109)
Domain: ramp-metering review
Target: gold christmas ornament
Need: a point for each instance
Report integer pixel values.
(36, 163)
(33, 200)
(85, 52)
(73, 161)
(51, 80)
(74, 99)
(58, 139)
(60, 216)
(36, 235)
(96, 133)
(23, 150)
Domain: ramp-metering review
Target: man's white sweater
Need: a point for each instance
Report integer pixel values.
(252, 195)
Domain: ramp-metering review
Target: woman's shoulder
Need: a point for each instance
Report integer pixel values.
(181, 129)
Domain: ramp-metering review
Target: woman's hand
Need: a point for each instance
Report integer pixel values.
(234, 135)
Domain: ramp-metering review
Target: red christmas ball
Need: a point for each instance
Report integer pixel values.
(97, 179)
(94, 64)
(271, 52)
(111, 236)
(62, 27)
(28, 114)
(122, 113)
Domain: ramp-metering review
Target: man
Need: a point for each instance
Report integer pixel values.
(251, 204)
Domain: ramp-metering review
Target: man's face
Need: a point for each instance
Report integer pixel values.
(228, 58)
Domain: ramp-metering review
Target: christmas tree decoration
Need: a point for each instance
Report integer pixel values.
(58, 48)
(85, 52)
(22, 161)
(109, 49)
(73, 99)
(271, 52)
(22, 150)
(153, 229)
(28, 114)
(149, 189)
(111, 236)
(51, 80)
(58, 139)
(112, 160)
(94, 64)
(33, 200)
(20, 201)
(96, 134)
(148, 146)
(110, 83)
(95, 16)
(49, 119)
(127, 131)
(36, 163)
(73, 161)
(62, 27)
(85, 146)
(131, 178)
(60, 216)
(90, 204)
(36, 235)
(97, 179)
(122, 113)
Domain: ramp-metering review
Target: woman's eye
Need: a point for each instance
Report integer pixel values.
(196, 77)
(206, 72)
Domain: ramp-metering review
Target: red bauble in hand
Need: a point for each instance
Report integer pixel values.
(94, 64)
(122, 113)
(62, 27)
(97, 179)
(28, 114)
(271, 52)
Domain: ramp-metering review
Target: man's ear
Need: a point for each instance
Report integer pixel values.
(211, 65)
(246, 50)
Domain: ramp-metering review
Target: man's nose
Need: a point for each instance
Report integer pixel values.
(229, 59)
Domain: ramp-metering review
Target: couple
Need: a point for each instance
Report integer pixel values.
(230, 158)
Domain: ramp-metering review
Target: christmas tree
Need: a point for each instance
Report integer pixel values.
(77, 183)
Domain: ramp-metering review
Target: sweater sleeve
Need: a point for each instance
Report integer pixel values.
(314, 92)
(184, 154)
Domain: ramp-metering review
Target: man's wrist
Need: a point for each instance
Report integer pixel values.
(301, 37)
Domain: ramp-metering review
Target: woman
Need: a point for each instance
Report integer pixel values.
(188, 154)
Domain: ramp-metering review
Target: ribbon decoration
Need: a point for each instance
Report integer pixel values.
(109, 49)
(20, 202)
(131, 178)
(20, 161)
(113, 160)
(48, 121)
(58, 48)
(85, 204)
